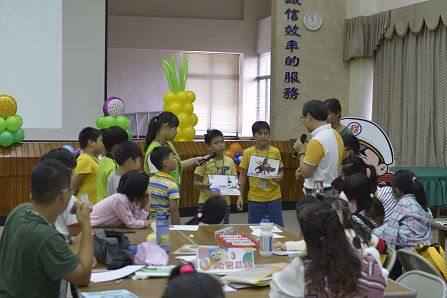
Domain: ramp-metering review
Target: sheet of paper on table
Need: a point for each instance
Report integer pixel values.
(114, 274)
(109, 294)
(257, 233)
(184, 228)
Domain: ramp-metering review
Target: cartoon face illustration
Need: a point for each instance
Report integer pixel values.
(371, 158)
(264, 167)
(219, 255)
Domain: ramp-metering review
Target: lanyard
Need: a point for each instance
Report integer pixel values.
(35, 213)
(222, 169)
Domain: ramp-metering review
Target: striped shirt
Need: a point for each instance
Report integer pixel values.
(291, 282)
(388, 199)
(163, 188)
(409, 224)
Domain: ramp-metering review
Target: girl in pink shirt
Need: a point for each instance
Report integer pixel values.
(122, 208)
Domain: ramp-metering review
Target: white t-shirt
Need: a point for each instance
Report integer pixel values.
(112, 183)
(66, 219)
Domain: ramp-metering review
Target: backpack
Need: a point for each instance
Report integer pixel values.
(111, 248)
(435, 255)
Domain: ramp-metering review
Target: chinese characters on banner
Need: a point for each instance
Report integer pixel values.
(291, 47)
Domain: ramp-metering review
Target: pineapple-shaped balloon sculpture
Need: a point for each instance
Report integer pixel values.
(179, 101)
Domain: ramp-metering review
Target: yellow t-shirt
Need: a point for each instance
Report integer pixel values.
(87, 165)
(262, 190)
(214, 167)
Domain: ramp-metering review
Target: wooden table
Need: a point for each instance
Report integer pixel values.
(442, 230)
(154, 287)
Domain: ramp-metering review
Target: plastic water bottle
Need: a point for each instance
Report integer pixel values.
(163, 222)
(266, 238)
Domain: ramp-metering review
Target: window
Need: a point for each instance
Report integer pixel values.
(263, 78)
(214, 77)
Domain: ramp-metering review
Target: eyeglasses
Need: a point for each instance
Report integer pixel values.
(67, 189)
(303, 117)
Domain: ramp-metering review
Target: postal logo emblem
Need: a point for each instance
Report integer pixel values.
(355, 128)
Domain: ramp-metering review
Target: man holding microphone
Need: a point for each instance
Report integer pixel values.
(320, 159)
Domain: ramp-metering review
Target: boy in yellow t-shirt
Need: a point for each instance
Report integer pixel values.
(84, 183)
(220, 165)
(264, 195)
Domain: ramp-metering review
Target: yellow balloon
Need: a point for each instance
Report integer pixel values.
(183, 119)
(179, 135)
(188, 108)
(174, 108)
(193, 119)
(8, 106)
(169, 97)
(181, 97)
(191, 96)
(188, 133)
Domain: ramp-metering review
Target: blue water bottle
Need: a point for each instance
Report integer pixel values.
(163, 222)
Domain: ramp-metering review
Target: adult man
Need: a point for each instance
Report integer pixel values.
(34, 257)
(321, 158)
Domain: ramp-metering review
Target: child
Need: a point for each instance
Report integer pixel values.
(337, 187)
(161, 131)
(185, 280)
(213, 212)
(84, 183)
(369, 209)
(163, 187)
(264, 195)
(330, 267)
(410, 222)
(220, 165)
(122, 208)
(128, 158)
(66, 223)
(112, 137)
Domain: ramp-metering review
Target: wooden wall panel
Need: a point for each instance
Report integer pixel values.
(17, 161)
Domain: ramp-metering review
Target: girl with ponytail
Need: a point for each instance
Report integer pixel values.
(410, 223)
(329, 267)
(161, 131)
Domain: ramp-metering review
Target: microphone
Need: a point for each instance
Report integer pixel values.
(303, 139)
(206, 159)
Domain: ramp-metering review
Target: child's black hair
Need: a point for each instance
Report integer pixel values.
(156, 123)
(127, 150)
(113, 136)
(334, 106)
(211, 134)
(61, 154)
(354, 164)
(317, 109)
(86, 134)
(351, 142)
(213, 212)
(133, 184)
(337, 184)
(407, 183)
(159, 155)
(358, 187)
(185, 281)
(259, 125)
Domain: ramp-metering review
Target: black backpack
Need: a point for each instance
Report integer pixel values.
(112, 249)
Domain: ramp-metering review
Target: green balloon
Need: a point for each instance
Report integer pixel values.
(109, 121)
(129, 133)
(19, 135)
(2, 124)
(100, 122)
(13, 123)
(20, 118)
(6, 138)
(122, 122)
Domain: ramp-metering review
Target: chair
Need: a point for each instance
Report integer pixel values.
(426, 285)
(412, 261)
(390, 259)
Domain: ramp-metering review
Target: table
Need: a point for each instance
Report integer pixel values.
(154, 287)
(434, 181)
(442, 230)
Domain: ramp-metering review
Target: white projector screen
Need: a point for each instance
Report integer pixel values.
(52, 61)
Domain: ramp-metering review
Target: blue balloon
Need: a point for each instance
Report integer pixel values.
(237, 154)
(236, 161)
(69, 148)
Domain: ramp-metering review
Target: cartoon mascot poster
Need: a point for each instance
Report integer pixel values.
(375, 146)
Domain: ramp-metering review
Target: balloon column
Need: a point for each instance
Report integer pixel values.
(179, 101)
(235, 153)
(114, 109)
(10, 122)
